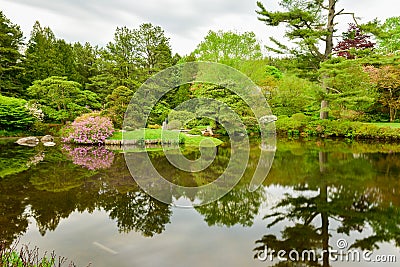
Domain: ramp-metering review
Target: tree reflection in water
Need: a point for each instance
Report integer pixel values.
(345, 195)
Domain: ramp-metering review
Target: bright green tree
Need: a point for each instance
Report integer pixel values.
(11, 41)
(229, 48)
(387, 34)
(292, 94)
(61, 99)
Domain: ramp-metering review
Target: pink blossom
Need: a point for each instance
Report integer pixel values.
(89, 130)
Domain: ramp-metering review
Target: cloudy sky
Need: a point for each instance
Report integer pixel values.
(185, 22)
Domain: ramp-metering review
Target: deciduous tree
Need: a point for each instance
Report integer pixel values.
(354, 41)
(61, 99)
(387, 80)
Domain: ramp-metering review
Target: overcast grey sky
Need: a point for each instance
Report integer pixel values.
(185, 22)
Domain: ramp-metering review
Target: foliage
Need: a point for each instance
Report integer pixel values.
(195, 131)
(350, 92)
(228, 48)
(182, 116)
(61, 99)
(310, 24)
(14, 114)
(389, 42)
(132, 57)
(387, 34)
(88, 129)
(261, 73)
(11, 40)
(85, 59)
(353, 41)
(47, 56)
(117, 103)
(293, 95)
(26, 257)
(334, 128)
(387, 80)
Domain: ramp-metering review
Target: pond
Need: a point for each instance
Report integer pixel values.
(83, 203)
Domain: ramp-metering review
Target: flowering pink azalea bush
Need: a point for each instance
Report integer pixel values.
(88, 130)
(90, 157)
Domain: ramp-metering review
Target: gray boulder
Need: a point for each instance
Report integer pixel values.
(28, 141)
(47, 138)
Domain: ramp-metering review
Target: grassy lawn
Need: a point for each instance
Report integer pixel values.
(155, 134)
(386, 124)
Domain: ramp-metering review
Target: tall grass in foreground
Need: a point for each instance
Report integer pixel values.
(10, 256)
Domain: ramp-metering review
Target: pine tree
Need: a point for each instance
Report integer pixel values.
(11, 41)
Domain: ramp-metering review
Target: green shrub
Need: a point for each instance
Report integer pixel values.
(296, 125)
(174, 125)
(251, 124)
(14, 114)
(195, 131)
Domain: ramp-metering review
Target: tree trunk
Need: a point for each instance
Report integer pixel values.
(323, 114)
(330, 27)
(392, 114)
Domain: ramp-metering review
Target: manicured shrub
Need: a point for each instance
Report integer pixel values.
(295, 126)
(14, 114)
(195, 131)
(88, 129)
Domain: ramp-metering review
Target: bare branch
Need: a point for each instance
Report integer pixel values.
(333, 89)
(349, 13)
(338, 13)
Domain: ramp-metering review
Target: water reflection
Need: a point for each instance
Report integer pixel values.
(339, 195)
(90, 157)
(333, 190)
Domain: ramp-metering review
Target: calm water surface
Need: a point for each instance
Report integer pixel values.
(83, 203)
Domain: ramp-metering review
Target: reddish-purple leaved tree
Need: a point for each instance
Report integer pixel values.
(355, 39)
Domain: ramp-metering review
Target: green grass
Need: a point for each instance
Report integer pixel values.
(386, 124)
(155, 134)
(149, 134)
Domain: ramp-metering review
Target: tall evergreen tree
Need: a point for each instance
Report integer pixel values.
(11, 41)
(47, 56)
(131, 58)
(85, 57)
(310, 26)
